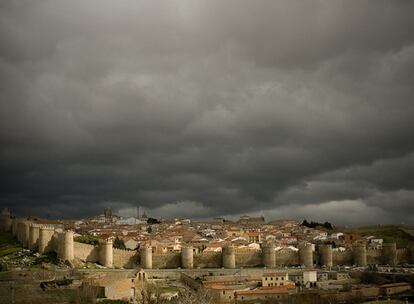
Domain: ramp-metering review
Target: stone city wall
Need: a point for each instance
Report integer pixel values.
(86, 252)
(374, 256)
(342, 257)
(208, 260)
(403, 256)
(252, 259)
(125, 258)
(167, 260)
(287, 257)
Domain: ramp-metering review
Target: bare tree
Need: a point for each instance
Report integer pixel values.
(201, 296)
(151, 294)
(88, 292)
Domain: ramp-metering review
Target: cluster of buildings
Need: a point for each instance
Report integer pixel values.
(283, 285)
(248, 234)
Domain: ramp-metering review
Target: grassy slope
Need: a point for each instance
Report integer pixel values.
(9, 245)
(390, 233)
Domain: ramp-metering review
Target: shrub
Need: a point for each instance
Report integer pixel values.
(87, 239)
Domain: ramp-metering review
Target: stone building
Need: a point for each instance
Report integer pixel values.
(275, 279)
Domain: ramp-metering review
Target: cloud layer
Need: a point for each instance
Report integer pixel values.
(208, 108)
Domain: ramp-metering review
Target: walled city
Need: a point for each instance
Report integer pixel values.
(245, 252)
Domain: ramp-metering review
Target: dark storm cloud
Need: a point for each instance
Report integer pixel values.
(205, 108)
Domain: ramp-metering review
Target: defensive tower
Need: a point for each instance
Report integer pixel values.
(360, 254)
(389, 253)
(187, 257)
(306, 255)
(23, 233)
(106, 253)
(65, 246)
(34, 231)
(325, 255)
(14, 227)
(146, 257)
(229, 257)
(45, 239)
(269, 256)
(5, 220)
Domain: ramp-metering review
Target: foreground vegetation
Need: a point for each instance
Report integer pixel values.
(9, 245)
(87, 239)
(13, 255)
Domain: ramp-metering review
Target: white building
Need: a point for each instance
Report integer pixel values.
(129, 221)
(310, 278)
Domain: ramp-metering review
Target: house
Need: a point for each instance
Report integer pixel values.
(131, 244)
(129, 221)
(340, 276)
(336, 235)
(395, 288)
(214, 247)
(279, 293)
(322, 276)
(375, 243)
(276, 279)
(306, 279)
(253, 237)
(224, 291)
(350, 238)
(310, 278)
(234, 232)
(116, 286)
(208, 233)
(297, 278)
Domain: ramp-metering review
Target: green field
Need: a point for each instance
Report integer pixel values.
(169, 289)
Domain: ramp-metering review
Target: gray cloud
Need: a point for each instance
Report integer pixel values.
(287, 108)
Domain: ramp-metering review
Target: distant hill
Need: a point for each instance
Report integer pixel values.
(401, 234)
(283, 222)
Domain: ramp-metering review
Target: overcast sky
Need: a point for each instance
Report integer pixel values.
(287, 109)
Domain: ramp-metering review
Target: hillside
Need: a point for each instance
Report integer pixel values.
(402, 235)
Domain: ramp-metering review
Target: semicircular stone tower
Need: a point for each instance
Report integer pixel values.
(23, 227)
(269, 256)
(34, 232)
(65, 246)
(106, 253)
(325, 255)
(389, 253)
(20, 229)
(5, 220)
(14, 227)
(45, 239)
(229, 257)
(187, 257)
(306, 255)
(146, 257)
(359, 254)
